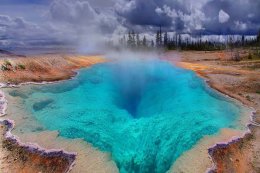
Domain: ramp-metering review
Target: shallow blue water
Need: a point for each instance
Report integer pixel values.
(145, 112)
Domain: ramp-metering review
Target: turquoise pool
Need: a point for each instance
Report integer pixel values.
(146, 113)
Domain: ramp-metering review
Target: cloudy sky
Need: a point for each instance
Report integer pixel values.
(59, 22)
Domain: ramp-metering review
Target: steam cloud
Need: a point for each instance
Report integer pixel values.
(86, 24)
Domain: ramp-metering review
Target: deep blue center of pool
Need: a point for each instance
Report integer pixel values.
(145, 112)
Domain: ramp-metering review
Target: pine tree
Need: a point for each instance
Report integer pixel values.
(179, 40)
(157, 39)
(152, 43)
(144, 42)
(129, 40)
(258, 37)
(124, 40)
(160, 36)
(176, 40)
(258, 41)
(133, 42)
(121, 41)
(165, 39)
(243, 40)
(138, 42)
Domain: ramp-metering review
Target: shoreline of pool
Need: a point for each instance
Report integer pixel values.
(221, 152)
(224, 138)
(210, 150)
(56, 146)
(7, 125)
(29, 147)
(200, 156)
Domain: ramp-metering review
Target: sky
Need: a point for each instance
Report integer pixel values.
(87, 22)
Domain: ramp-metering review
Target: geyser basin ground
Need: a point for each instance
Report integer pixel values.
(145, 112)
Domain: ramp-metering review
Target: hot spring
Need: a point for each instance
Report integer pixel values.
(146, 113)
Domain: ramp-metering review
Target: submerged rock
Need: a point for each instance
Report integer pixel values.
(16, 93)
(42, 104)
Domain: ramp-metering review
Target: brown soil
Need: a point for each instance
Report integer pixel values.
(44, 67)
(240, 156)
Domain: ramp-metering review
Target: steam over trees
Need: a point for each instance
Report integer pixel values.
(157, 39)
(152, 44)
(258, 36)
(134, 40)
(144, 42)
(164, 40)
(138, 41)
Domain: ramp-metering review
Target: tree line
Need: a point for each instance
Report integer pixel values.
(162, 40)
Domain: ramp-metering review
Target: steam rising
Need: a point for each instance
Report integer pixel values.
(85, 28)
(133, 73)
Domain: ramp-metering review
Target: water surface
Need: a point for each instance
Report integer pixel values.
(145, 112)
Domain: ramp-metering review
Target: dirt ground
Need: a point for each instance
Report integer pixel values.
(43, 67)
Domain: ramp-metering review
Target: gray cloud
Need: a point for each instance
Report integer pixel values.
(244, 16)
(18, 32)
(88, 22)
(223, 17)
(173, 14)
(86, 26)
(80, 15)
(188, 16)
(69, 22)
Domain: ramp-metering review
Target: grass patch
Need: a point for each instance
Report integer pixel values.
(6, 66)
(7, 63)
(21, 66)
(253, 56)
